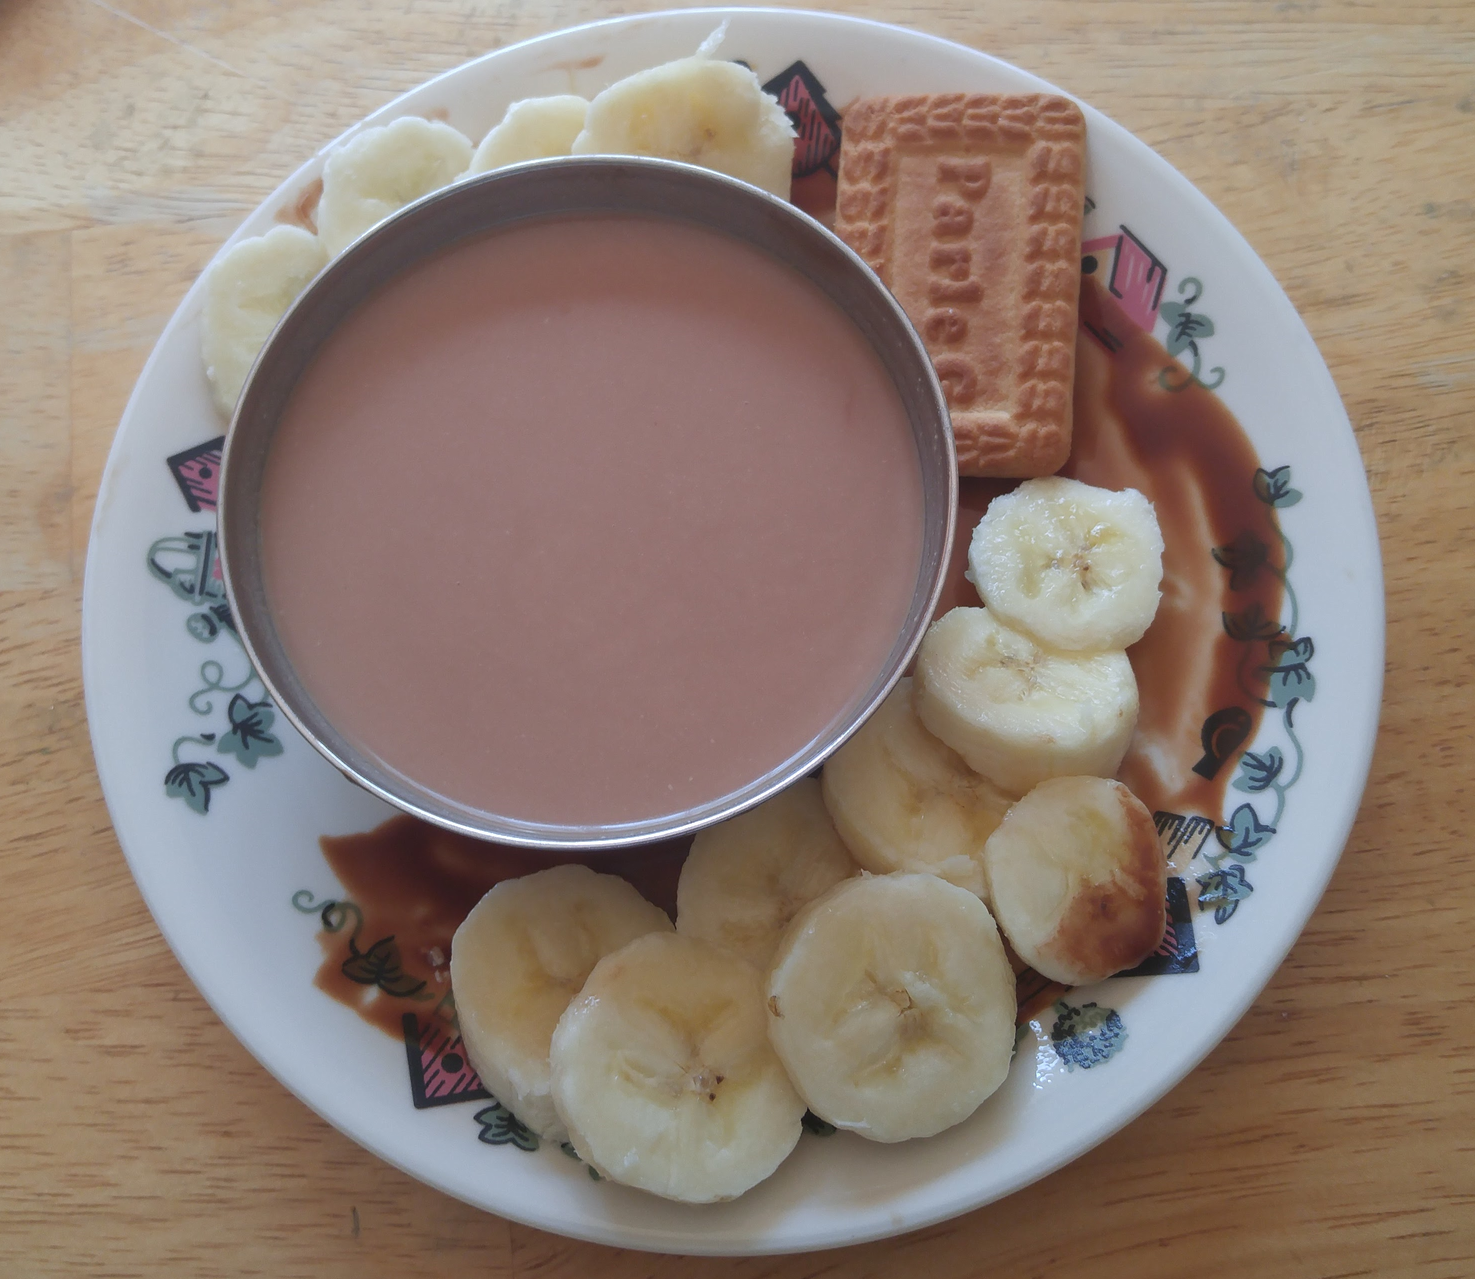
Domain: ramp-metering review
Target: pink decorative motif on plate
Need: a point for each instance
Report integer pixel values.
(1133, 274)
(197, 472)
(440, 1071)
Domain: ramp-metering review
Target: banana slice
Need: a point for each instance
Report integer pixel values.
(700, 110)
(891, 1005)
(518, 958)
(745, 879)
(532, 129)
(1078, 879)
(901, 800)
(381, 170)
(1075, 566)
(1019, 713)
(663, 1072)
(246, 293)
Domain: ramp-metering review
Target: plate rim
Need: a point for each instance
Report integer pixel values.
(1267, 959)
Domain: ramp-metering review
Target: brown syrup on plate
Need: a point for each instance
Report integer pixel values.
(412, 883)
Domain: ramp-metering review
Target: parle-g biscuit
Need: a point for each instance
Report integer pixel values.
(969, 206)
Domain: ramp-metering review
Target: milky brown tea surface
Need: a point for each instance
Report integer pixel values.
(591, 520)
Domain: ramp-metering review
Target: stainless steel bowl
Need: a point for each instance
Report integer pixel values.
(542, 189)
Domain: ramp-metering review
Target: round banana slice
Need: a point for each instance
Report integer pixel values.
(1019, 713)
(663, 1072)
(246, 293)
(745, 879)
(532, 129)
(891, 1004)
(1078, 879)
(379, 171)
(1077, 567)
(902, 800)
(700, 110)
(522, 953)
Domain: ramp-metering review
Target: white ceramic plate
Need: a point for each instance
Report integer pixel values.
(174, 727)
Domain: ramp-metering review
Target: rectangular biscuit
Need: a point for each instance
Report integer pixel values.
(969, 206)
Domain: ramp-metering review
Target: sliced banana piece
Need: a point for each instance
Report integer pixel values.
(246, 292)
(663, 1072)
(1019, 713)
(1078, 879)
(700, 110)
(745, 879)
(522, 953)
(379, 171)
(533, 129)
(1075, 566)
(901, 800)
(891, 1004)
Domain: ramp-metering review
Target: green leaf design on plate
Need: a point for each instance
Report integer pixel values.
(1086, 1036)
(1244, 558)
(1244, 834)
(1185, 327)
(247, 738)
(1290, 679)
(380, 966)
(193, 781)
(1258, 772)
(1290, 684)
(500, 1127)
(1250, 624)
(1274, 487)
(1223, 890)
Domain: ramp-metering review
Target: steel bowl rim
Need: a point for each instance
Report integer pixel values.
(803, 762)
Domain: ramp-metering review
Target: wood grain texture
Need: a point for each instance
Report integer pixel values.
(1332, 1134)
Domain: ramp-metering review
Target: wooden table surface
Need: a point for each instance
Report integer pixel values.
(1333, 1132)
